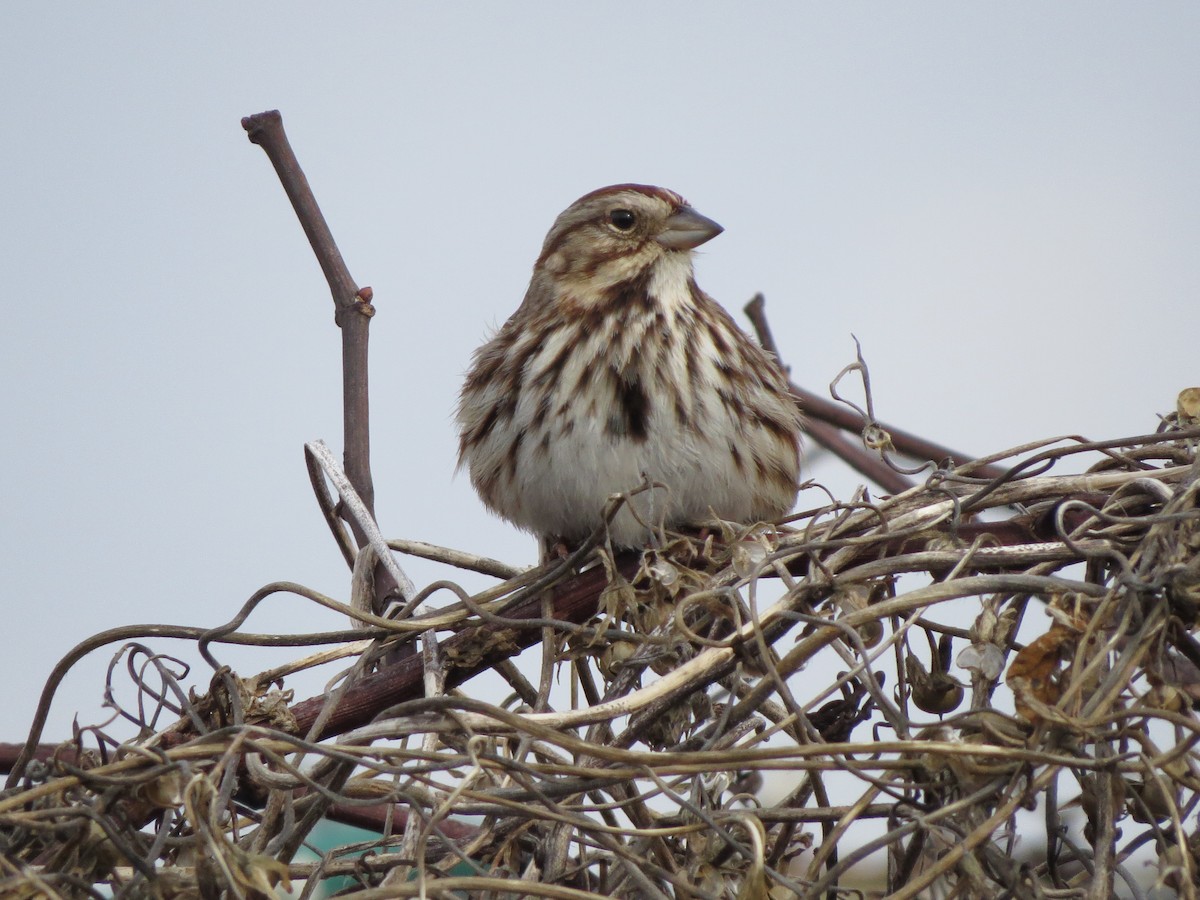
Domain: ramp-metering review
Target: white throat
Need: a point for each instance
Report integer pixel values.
(669, 283)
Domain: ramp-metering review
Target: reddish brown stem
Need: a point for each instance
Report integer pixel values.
(817, 407)
(476, 649)
(821, 411)
(353, 306)
(353, 312)
(480, 648)
(868, 464)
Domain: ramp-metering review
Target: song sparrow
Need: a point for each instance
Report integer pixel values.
(617, 370)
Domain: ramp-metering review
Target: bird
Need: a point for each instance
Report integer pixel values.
(618, 372)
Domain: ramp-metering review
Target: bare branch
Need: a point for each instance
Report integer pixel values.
(821, 410)
(353, 312)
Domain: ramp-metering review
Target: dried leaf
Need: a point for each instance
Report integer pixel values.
(1034, 674)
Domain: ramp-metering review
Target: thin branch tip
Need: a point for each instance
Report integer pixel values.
(258, 124)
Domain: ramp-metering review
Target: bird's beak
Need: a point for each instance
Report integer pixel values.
(687, 229)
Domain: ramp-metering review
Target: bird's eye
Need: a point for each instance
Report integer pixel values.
(622, 219)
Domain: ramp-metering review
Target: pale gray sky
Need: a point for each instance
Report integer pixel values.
(1001, 201)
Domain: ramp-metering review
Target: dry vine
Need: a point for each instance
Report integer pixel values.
(690, 688)
(896, 686)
